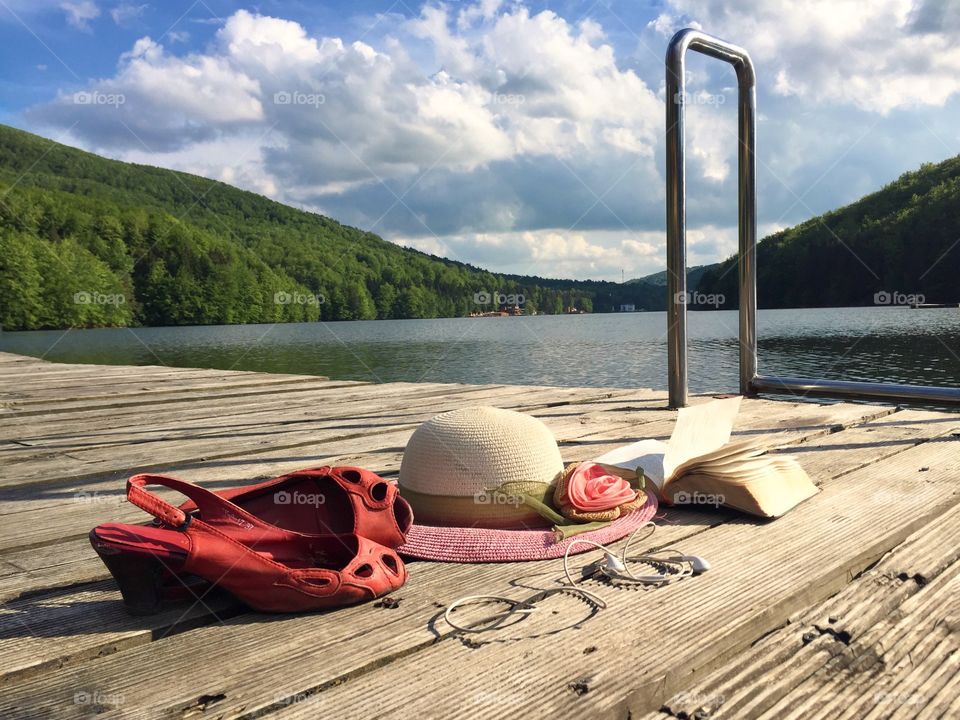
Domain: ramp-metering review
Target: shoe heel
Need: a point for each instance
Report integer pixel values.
(140, 578)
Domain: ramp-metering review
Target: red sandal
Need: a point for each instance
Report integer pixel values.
(267, 567)
(327, 500)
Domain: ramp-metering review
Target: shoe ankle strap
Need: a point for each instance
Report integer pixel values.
(207, 502)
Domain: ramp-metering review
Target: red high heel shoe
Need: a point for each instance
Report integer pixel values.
(267, 567)
(327, 500)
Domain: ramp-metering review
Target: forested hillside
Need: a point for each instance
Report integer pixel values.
(900, 242)
(86, 241)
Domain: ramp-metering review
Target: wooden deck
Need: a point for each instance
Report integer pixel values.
(849, 606)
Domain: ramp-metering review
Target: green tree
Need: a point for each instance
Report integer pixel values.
(385, 300)
(21, 292)
(360, 305)
(412, 303)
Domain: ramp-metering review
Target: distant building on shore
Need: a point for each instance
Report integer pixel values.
(628, 307)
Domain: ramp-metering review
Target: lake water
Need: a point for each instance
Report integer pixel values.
(617, 350)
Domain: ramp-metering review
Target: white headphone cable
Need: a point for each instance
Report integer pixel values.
(619, 568)
(610, 566)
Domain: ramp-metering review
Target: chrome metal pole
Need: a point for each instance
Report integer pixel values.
(750, 381)
(676, 229)
(701, 42)
(890, 392)
(747, 200)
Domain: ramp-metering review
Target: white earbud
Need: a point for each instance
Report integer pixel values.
(612, 564)
(697, 563)
(672, 564)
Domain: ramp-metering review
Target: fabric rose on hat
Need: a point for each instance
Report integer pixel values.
(587, 492)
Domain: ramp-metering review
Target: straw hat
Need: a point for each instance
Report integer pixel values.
(466, 473)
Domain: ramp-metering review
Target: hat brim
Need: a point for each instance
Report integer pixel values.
(481, 545)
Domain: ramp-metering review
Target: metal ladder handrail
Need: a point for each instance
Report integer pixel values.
(750, 381)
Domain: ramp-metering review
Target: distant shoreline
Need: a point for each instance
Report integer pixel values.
(930, 306)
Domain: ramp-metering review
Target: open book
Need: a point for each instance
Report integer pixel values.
(700, 466)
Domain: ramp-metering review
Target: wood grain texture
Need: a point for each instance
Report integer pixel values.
(836, 646)
(797, 618)
(763, 573)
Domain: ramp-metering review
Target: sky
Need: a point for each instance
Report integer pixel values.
(523, 137)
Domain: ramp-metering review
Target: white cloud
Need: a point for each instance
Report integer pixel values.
(80, 13)
(554, 252)
(522, 141)
(126, 12)
(514, 141)
(483, 10)
(237, 160)
(511, 84)
(165, 103)
(878, 55)
(666, 25)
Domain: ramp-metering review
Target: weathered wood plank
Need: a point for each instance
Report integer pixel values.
(208, 415)
(149, 394)
(900, 668)
(871, 442)
(44, 466)
(762, 574)
(89, 624)
(821, 646)
(83, 463)
(42, 569)
(324, 401)
(198, 406)
(78, 509)
(507, 571)
(43, 381)
(8, 357)
(272, 637)
(27, 503)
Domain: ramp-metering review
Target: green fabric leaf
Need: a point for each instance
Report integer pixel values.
(539, 497)
(576, 528)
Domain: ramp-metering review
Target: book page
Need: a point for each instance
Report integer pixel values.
(729, 454)
(700, 429)
(646, 455)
